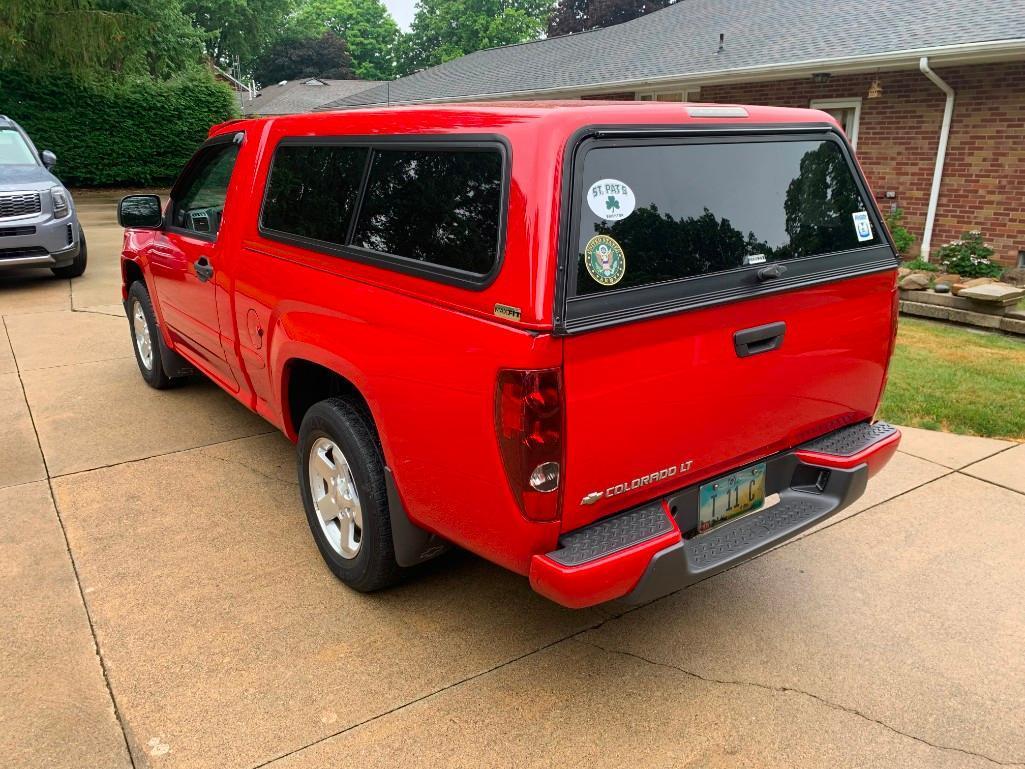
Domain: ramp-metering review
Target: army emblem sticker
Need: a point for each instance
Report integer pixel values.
(604, 260)
(611, 199)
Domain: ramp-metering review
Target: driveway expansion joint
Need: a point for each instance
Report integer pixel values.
(424, 697)
(811, 695)
(157, 456)
(250, 468)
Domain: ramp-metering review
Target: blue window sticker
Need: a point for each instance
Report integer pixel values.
(862, 226)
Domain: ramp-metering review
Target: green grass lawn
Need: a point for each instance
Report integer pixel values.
(959, 380)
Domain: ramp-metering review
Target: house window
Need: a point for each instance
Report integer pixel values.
(847, 113)
(684, 95)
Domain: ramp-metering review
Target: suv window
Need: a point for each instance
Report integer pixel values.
(658, 212)
(199, 204)
(312, 190)
(14, 150)
(437, 206)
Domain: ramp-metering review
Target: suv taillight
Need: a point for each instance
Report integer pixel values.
(528, 420)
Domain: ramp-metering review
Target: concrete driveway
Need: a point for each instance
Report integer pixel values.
(162, 603)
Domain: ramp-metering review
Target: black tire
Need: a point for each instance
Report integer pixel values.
(373, 566)
(77, 267)
(154, 373)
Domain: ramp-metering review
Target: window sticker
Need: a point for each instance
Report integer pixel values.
(604, 260)
(862, 226)
(611, 200)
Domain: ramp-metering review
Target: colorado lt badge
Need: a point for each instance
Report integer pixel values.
(604, 260)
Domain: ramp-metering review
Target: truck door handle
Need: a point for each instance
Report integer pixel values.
(752, 341)
(204, 270)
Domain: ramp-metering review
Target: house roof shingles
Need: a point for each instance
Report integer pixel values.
(296, 96)
(682, 40)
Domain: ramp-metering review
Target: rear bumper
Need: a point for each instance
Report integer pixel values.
(642, 554)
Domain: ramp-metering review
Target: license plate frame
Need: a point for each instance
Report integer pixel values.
(731, 496)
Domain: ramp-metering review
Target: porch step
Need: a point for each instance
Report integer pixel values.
(850, 440)
(612, 534)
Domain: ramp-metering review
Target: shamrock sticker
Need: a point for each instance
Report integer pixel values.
(610, 199)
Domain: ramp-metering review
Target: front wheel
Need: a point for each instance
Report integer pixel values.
(146, 338)
(341, 480)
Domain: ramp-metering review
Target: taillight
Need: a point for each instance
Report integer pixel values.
(528, 420)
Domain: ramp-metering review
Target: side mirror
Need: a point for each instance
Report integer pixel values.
(141, 212)
(49, 159)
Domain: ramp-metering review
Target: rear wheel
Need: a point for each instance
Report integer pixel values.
(146, 338)
(77, 267)
(341, 480)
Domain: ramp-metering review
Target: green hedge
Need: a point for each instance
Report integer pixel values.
(137, 132)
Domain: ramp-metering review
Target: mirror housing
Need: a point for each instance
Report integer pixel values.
(140, 212)
(48, 158)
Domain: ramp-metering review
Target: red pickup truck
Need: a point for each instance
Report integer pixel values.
(614, 347)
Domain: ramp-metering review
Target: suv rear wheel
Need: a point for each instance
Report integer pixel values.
(341, 479)
(77, 267)
(146, 339)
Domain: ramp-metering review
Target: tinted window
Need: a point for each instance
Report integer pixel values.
(312, 190)
(199, 204)
(435, 206)
(678, 211)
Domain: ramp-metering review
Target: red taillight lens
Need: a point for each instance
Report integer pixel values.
(528, 420)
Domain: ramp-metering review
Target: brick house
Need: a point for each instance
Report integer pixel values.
(889, 73)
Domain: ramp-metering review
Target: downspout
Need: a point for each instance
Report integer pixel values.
(941, 154)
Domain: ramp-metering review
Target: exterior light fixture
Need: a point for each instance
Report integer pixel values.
(821, 77)
(875, 90)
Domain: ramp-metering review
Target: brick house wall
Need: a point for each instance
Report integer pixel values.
(984, 175)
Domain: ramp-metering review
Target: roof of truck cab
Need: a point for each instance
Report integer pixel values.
(485, 117)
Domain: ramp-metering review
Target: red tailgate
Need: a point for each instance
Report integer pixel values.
(647, 397)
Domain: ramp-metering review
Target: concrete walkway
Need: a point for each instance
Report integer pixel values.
(162, 603)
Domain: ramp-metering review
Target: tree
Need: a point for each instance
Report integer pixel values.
(69, 35)
(447, 29)
(369, 31)
(240, 28)
(291, 58)
(164, 41)
(572, 16)
(98, 38)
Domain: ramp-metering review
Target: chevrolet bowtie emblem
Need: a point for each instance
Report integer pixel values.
(591, 498)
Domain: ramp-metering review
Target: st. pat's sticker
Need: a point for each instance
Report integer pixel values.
(604, 260)
(862, 226)
(611, 199)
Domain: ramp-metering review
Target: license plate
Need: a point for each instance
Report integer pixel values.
(731, 496)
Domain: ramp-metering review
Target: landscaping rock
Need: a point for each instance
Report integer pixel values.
(941, 288)
(957, 288)
(949, 278)
(994, 293)
(914, 282)
(902, 272)
(1015, 276)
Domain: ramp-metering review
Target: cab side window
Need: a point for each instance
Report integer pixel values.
(440, 207)
(199, 204)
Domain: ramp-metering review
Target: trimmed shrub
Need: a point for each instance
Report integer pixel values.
(133, 132)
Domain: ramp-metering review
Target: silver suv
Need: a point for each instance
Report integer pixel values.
(38, 223)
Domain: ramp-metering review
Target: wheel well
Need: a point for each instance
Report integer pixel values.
(132, 272)
(308, 383)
